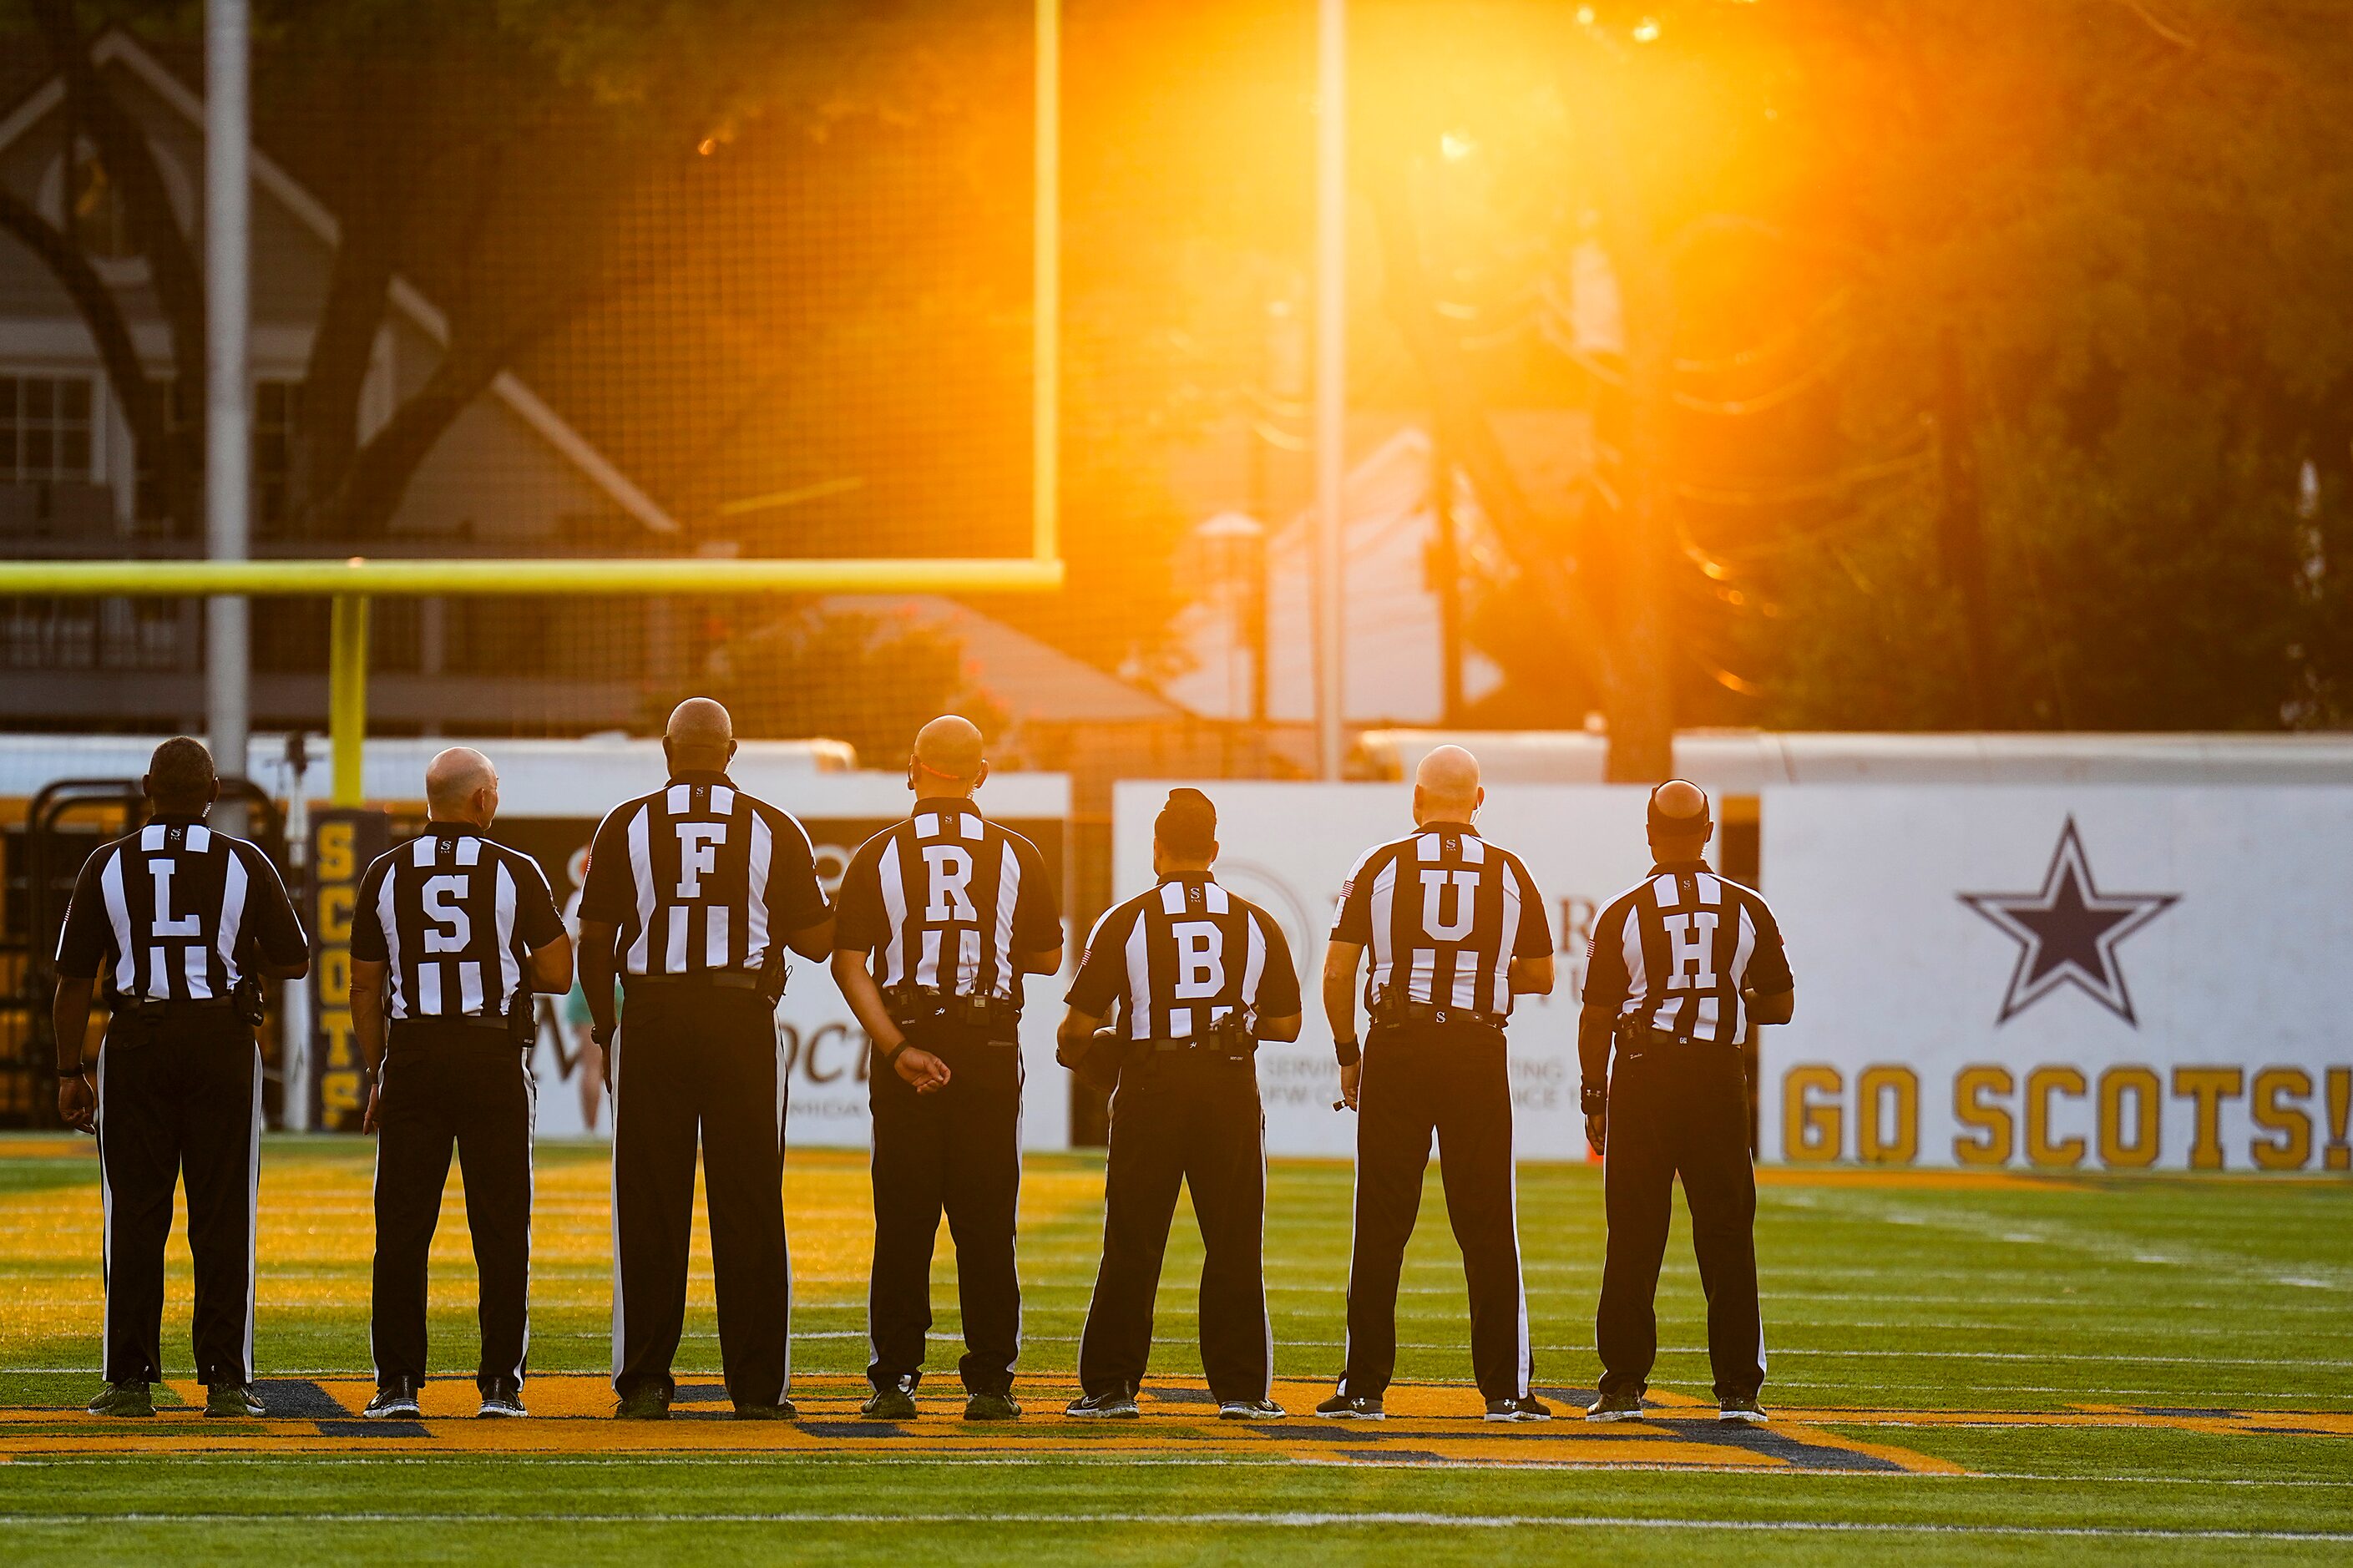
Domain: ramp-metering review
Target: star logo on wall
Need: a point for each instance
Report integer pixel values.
(2068, 933)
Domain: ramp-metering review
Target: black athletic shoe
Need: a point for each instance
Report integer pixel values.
(1521, 1409)
(1742, 1411)
(782, 1410)
(502, 1400)
(395, 1401)
(1621, 1407)
(1250, 1410)
(233, 1399)
(644, 1405)
(896, 1403)
(991, 1407)
(1353, 1407)
(1117, 1405)
(124, 1399)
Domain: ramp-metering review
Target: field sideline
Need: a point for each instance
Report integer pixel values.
(1986, 1367)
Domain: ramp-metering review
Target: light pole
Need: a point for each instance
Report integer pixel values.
(1331, 374)
(229, 516)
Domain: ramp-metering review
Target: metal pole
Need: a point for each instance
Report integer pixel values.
(347, 640)
(1045, 287)
(227, 439)
(1331, 375)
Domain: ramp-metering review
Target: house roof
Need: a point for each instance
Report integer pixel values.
(116, 46)
(1036, 682)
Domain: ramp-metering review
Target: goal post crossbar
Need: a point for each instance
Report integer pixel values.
(381, 577)
(350, 584)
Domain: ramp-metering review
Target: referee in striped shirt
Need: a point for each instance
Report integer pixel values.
(692, 894)
(452, 935)
(1197, 977)
(1683, 964)
(185, 923)
(941, 915)
(1455, 930)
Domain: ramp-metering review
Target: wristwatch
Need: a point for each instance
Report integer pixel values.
(1348, 1051)
(602, 1035)
(78, 1070)
(1594, 1100)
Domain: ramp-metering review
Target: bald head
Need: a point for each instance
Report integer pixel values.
(1446, 786)
(1679, 821)
(699, 737)
(461, 785)
(947, 758)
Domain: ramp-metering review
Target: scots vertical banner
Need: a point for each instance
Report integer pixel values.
(342, 844)
(2062, 979)
(1288, 847)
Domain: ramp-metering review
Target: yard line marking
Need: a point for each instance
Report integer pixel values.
(1136, 1460)
(1272, 1521)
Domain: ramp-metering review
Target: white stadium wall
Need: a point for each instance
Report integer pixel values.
(2078, 978)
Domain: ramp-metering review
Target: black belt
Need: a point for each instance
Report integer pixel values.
(468, 1020)
(1213, 1045)
(1426, 1012)
(1644, 1035)
(716, 979)
(170, 1007)
(925, 1003)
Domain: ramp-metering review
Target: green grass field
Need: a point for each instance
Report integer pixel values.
(2094, 1363)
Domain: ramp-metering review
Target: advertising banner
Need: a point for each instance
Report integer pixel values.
(342, 844)
(827, 1053)
(2061, 979)
(1288, 847)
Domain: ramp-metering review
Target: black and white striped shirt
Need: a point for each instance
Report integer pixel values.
(1677, 948)
(699, 877)
(1180, 958)
(949, 901)
(1443, 913)
(454, 918)
(171, 913)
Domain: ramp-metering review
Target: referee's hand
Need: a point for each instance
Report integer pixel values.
(77, 1103)
(1597, 1130)
(375, 1098)
(1350, 1077)
(923, 1069)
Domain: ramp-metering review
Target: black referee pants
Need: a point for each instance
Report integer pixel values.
(700, 1061)
(178, 1095)
(1452, 1080)
(446, 1084)
(955, 1152)
(1193, 1117)
(1680, 1110)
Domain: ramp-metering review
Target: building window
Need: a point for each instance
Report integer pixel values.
(277, 405)
(45, 429)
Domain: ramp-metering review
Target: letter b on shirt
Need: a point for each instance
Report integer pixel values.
(1200, 958)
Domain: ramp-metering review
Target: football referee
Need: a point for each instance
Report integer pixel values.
(941, 915)
(692, 893)
(1455, 930)
(1197, 978)
(452, 935)
(1683, 964)
(185, 923)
